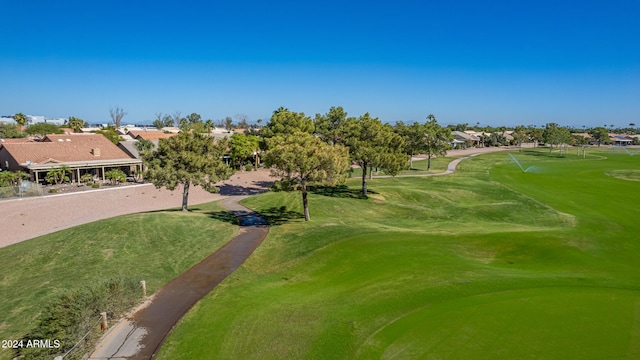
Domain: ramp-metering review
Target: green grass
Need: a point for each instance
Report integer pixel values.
(490, 262)
(154, 247)
(419, 167)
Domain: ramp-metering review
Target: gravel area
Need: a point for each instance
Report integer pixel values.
(24, 219)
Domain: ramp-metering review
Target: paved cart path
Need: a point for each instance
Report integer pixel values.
(140, 335)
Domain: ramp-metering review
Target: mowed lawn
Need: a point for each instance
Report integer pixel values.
(490, 262)
(154, 246)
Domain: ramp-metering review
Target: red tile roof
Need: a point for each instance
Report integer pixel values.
(66, 148)
(150, 134)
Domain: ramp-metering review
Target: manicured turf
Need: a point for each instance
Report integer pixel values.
(490, 262)
(418, 167)
(154, 246)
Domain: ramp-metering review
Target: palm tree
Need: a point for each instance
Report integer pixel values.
(21, 119)
(75, 123)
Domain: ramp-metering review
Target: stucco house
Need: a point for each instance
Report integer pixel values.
(82, 153)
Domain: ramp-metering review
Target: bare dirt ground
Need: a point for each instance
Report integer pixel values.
(23, 219)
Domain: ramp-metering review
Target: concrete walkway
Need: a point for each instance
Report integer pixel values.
(140, 335)
(451, 167)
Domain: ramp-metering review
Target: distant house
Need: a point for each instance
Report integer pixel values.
(150, 135)
(82, 153)
(620, 140)
(469, 140)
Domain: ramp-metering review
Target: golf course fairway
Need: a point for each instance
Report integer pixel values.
(491, 262)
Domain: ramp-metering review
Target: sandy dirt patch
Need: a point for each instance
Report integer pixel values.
(23, 219)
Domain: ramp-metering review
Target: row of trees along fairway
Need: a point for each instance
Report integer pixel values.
(299, 150)
(429, 138)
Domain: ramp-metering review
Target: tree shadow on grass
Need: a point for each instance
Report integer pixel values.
(340, 191)
(253, 188)
(271, 216)
(279, 215)
(544, 153)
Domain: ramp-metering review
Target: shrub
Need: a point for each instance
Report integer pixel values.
(116, 175)
(95, 186)
(6, 192)
(248, 167)
(86, 178)
(53, 190)
(77, 312)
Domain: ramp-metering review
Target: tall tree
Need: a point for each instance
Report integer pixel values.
(176, 118)
(158, 123)
(330, 126)
(228, 123)
(599, 134)
(187, 159)
(243, 147)
(117, 114)
(372, 144)
(300, 159)
(21, 119)
(144, 146)
(414, 138)
(437, 139)
(520, 135)
(283, 121)
(242, 121)
(75, 123)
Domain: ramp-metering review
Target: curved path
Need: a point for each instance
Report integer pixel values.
(140, 335)
(452, 166)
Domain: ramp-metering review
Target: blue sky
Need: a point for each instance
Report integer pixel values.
(497, 63)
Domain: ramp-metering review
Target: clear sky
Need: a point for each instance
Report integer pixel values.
(493, 62)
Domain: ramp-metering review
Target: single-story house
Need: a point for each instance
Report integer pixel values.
(620, 140)
(82, 153)
(469, 139)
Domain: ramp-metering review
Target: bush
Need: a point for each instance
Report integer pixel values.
(77, 312)
(248, 167)
(95, 186)
(53, 190)
(6, 192)
(87, 178)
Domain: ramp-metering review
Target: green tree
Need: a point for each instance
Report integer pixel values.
(437, 139)
(116, 176)
(556, 135)
(414, 138)
(520, 135)
(330, 126)
(42, 129)
(143, 146)
(21, 119)
(599, 134)
(187, 159)
(12, 178)
(58, 175)
(228, 123)
(300, 159)
(110, 133)
(8, 131)
(535, 134)
(284, 122)
(372, 144)
(75, 123)
(243, 147)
